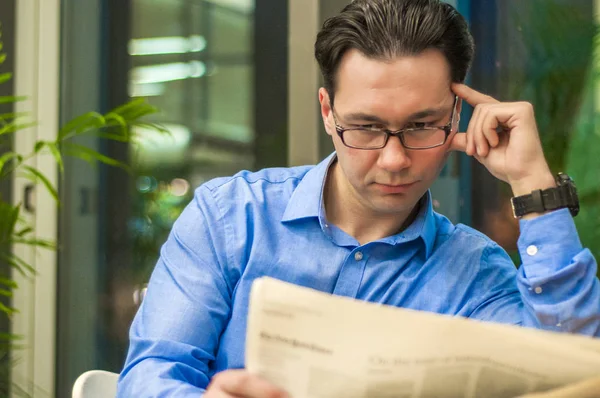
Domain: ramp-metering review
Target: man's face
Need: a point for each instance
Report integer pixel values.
(391, 95)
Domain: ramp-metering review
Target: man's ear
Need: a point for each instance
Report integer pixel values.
(324, 100)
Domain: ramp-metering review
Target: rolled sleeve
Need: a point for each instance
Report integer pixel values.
(557, 278)
(548, 243)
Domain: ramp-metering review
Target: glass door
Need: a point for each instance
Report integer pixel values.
(194, 61)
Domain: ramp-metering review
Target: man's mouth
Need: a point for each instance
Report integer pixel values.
(395, 188)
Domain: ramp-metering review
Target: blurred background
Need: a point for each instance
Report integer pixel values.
(236, 84)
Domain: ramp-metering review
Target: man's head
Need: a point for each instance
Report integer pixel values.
(387, 29)
(390, 65)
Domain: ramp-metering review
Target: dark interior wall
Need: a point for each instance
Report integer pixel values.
(271, 28)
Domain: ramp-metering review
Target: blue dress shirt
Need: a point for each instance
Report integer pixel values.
(192, 322)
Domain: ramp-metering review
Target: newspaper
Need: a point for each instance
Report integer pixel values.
(315, 345)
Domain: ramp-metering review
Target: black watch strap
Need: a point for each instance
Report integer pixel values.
(539, 201)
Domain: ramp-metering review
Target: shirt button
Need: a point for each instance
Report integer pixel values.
(532, 250)
(358, 256)
(538, 290)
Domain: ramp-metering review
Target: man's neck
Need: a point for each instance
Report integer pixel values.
(345, 210)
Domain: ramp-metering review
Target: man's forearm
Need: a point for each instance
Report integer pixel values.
(155, 378)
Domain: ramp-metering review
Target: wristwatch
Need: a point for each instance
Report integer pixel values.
(539, 201)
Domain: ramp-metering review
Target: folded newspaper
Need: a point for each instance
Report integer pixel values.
(315, 345)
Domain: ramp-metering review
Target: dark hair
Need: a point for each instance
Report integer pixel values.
(384, 29)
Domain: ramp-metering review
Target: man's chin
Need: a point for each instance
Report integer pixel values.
(394, 204)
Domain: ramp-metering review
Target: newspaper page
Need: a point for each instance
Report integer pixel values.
(316, 345)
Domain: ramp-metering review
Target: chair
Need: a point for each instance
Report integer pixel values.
(96, 384)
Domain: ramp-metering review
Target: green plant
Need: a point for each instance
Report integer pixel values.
(556, 69)
(115, 125)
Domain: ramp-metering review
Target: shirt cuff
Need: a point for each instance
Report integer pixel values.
(548, 243)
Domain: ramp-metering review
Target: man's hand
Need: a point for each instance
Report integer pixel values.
(503, 136)
(241, 384)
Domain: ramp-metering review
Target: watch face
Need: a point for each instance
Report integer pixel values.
(562, 179)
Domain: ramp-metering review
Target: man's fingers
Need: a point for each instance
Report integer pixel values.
(481, 142)
(490, 131)
(459, 142)
(243, 384)
(471, 142)
(473, 97)
(476, 142)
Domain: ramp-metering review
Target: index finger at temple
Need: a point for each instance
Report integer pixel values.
(473, 97)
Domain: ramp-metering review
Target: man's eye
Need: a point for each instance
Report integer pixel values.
(370, 126)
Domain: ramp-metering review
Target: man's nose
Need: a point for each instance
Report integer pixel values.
(393, 156)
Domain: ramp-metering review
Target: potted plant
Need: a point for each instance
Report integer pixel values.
(115, 125)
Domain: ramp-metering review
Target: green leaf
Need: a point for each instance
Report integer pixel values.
(54, 151)
(14, 126)
(37, 175)
(91, 156)
(142, 128)
(118, 120)
(5, 99)
(8, 282)
(57, 156)
(38, 146)
(24, 232)
(153, 126)
(4, 77)
(9, 156)
(10, 337)
(6, 293)
(80, 124)
(9, 215)
(7, 310)
(13, 115)
(127, 107)
(26, 270)
(7, 341)
(139, 112)
(2, 58)
(112, 136)
(46, 244)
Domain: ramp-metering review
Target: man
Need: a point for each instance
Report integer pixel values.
(361, 223)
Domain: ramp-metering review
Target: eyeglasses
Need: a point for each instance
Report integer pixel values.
(418, 137)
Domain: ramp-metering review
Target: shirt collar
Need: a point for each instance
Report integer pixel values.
(305, 204)
(424, 226)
